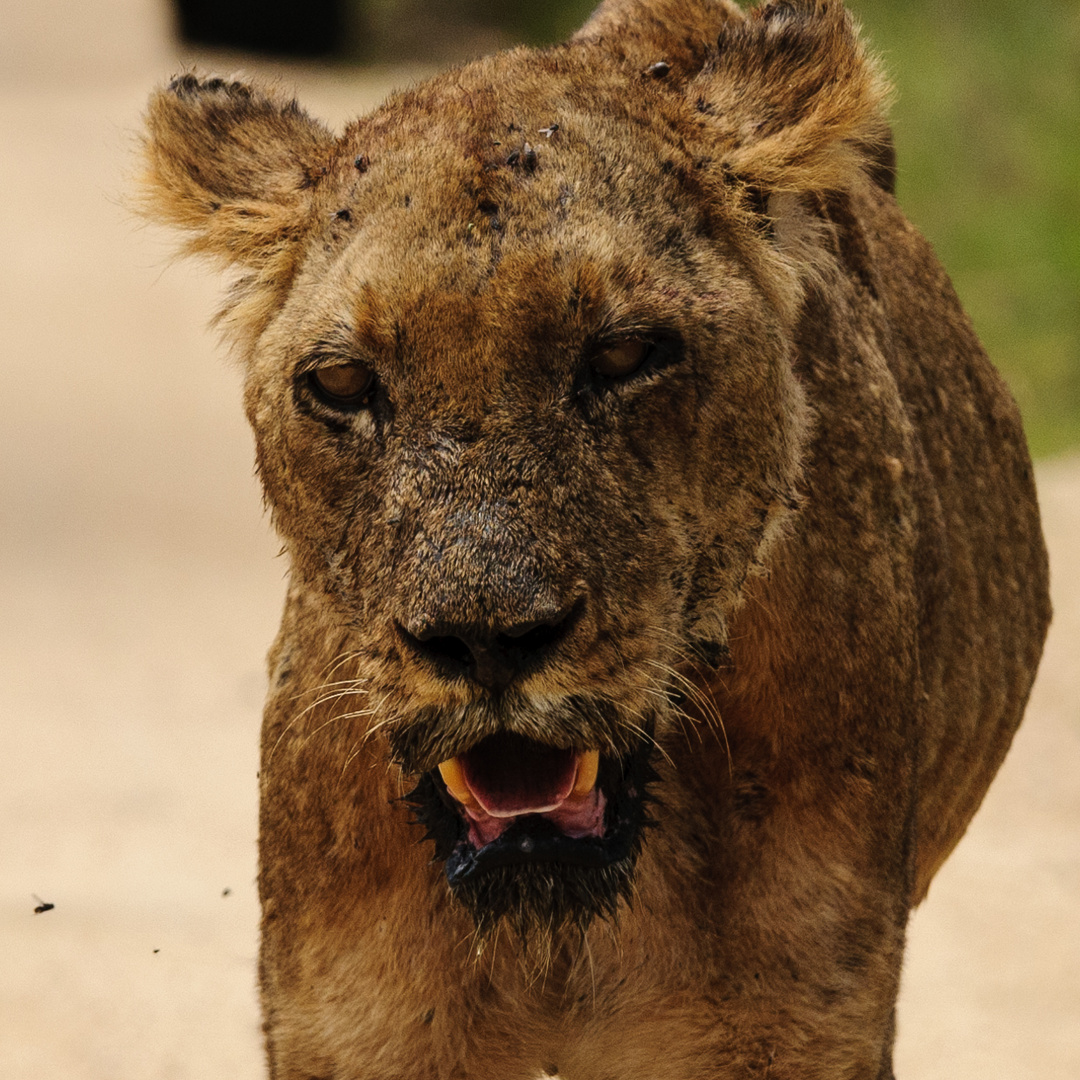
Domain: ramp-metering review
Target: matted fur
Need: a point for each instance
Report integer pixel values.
(796, 552)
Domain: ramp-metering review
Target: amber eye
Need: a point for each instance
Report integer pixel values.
(343, 386)
(622, 358)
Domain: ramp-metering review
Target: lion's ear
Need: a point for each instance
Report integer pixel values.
(234, 167)
(793, 99)
(659, 36)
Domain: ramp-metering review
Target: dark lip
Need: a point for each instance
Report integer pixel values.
(533, 839)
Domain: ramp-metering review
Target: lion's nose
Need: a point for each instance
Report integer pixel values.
(493, 656)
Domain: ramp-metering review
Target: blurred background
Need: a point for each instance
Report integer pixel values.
(987, 127)
(139, 587)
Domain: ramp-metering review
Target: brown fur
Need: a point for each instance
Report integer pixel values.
(807, 549)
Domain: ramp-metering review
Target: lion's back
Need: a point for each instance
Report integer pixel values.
(981, 564)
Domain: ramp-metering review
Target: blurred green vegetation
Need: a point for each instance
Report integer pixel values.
(987, 124)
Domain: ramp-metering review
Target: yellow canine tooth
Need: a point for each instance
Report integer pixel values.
(588, 766)
(454, 778)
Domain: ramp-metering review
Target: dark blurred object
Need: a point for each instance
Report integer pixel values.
(438, 31)
(282, 27)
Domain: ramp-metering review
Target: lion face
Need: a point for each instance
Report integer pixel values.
(488, 421)
(518, 366)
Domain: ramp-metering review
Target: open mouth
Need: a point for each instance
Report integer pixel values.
(508, 777)
(547, 832)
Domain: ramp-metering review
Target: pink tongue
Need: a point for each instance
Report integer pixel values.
(509, 775)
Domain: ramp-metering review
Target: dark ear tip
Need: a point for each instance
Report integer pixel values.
(791, 11)
(782, 9)
(190, 86)
(182, 85)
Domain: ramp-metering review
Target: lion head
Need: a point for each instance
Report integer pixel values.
(517, 350)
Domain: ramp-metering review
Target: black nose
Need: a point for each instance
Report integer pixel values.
(491, 655)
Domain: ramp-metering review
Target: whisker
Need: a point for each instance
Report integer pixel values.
(337, 718)
(376, 727)
(637, 729)
(353, 754)
(354, 683)
(708, 707)
(294, 720)
(622, 707)
(334, 665)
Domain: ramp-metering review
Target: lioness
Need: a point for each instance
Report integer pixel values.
(666, 575)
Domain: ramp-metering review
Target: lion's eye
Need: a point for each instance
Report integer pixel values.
(621, 359)
(342, 386)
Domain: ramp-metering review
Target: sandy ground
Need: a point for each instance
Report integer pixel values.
(139, 591)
